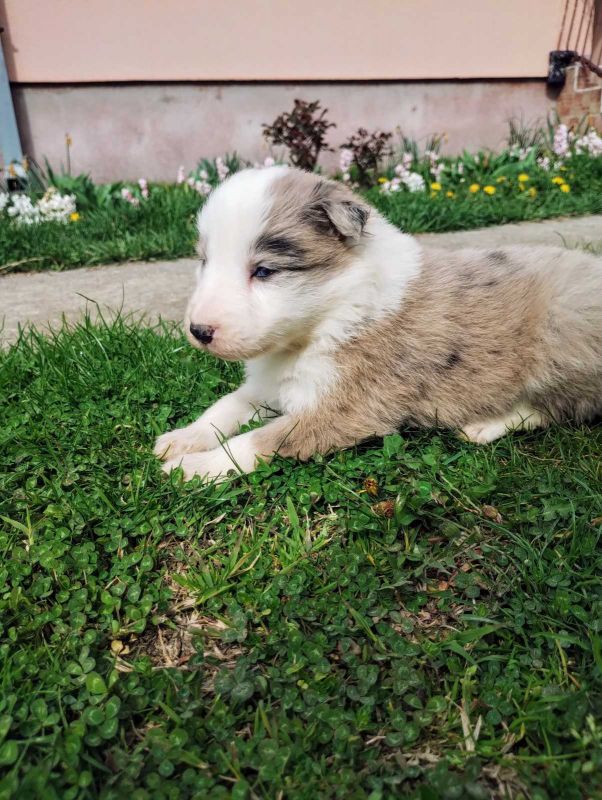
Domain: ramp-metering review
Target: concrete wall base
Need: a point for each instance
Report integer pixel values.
(127, 131)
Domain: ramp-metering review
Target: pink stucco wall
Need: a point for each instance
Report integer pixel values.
(143, 86)
(72, 41)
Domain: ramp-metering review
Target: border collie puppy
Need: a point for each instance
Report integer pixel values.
(349, 328)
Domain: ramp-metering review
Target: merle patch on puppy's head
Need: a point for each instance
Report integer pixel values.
(275, 244)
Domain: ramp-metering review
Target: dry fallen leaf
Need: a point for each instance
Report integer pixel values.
(491, 512)
(371, 486)
(384, 508)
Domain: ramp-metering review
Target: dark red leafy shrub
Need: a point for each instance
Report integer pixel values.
(303, 131)
(368, 150)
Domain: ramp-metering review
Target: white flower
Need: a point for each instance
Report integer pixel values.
(23, 210)
(561, 140)
(127, 195)
(53, 207)
(142, 183)
(590, 143)
(521, 153)
(202, 187)
(56, 207)
(345, 160)
(393, 185)
(269, 162)
(181, 175)
(222, 169)
(403, 175)
(407, 160)
(435, 167)
(544, 162)
(436, 171)
(414, 181)
(411, 180)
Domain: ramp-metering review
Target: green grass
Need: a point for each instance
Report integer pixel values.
(418, 213)
(287, 634)
(164, 226)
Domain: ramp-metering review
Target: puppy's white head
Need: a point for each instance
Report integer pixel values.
(273, 244)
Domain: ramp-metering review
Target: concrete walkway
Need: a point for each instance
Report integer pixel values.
(162, 288)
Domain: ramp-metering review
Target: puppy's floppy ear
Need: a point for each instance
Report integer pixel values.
(332, 208)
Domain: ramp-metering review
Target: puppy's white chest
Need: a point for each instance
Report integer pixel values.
(302, 385)
(294, 384)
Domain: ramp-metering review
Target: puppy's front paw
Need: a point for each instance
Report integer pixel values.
(180, 441)
(213, 465)
(521, 418)
(484, 432)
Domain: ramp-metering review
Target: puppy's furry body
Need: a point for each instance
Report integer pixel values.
(357, 329)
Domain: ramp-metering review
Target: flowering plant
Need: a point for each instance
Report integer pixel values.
(136, 194)
(404, 177)
(209, 173)
(51, 207)
(524, 169)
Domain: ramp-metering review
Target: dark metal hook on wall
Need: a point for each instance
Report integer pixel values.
(561, 59)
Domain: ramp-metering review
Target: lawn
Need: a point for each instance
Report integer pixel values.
(420, 213)
(419, 617)
(163, 227)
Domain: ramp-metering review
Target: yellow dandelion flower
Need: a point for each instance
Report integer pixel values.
(474, 188)
(382, 179)
(532, 192)
(558, 180)
(523, 177)
(489, 189)
(74, 216)
(501, 179)
(435, 187)
(450, 194)
(565, 187)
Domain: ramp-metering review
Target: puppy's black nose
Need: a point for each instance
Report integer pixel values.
(202, 333)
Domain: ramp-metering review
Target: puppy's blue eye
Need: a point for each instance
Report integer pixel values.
(262, 272)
